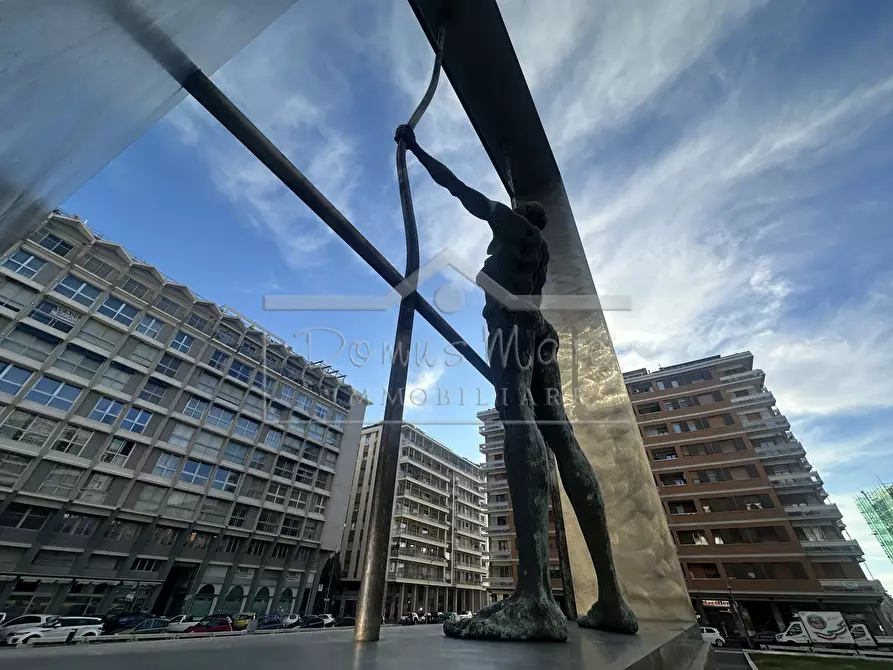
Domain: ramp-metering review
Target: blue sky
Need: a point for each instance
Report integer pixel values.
(728, 165)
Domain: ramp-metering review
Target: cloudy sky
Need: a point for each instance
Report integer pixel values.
(728, 164)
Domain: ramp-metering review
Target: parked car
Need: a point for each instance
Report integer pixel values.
(181, 622)
(312, 622)
(712, 636)
(12, 626)
(2, 618)
(328, 618)
(763, 638)
(216, 623)
(464, 615)
(240, 620)
(147, 626)
(270, 622)
(410, 619)
(60, 629)
(115, 622)
(345, 622)
(291, 620)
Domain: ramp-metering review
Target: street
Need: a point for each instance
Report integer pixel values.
(730, 659)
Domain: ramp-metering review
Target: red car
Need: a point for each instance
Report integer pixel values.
(216, 623)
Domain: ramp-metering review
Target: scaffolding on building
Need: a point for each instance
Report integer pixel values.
(876, 507)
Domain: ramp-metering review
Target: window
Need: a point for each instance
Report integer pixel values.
(118, 310)
(311, 453)
(136, 420)
(287, 393)
(225, 480)
(304, 402)
(220, 417)
(322, 411)
(310, 529)
(195, 407)
(199, 323)
(14, 296)
(60, 482)
(78, 290)
(653, 431)
(240, 371)
(291, 526)
(106, 410)
(254, 403)
(692, 537)
(227, 336)
(687, 426)
(168, 365)
(96, 490)
(53, 243)
(298, 500)
(273, 438)
(181, 435)
(182, 505)
(268, 522)
(230, 544)
(319, 504)
(316, 430)
(123, 531)
(235, 453)
(207, 383)
(214, 511)
(24, 517)
(239, 516)
(12, 378)
(56, 559)
(274, 413)
(207, 445)
(143, 354)
(297, 424)
(250, 349)
(78, 361)
(25, 264)
(164, 536)
(329, 458)
(102, 335)
(150, 326)
(196, 540)
(339, 419)
(322, 480)
(231, 393)
(11, 467)
(331, 438)
(183, 342)
(166, 465)
(258, 460)
(195, 472)
(54, 393)
(72, 440)
(135, 288)
(168, 306)
(116, 376)
(246, 427)
(291, 445)
(280, 551)
(150, 499)
(257, 547)
(25, 427)
(30, 342)
(285, 467)
(145, 565)
(218, 360)
(54, 316)
(117, 452)
(277, 494)
(306, 474)
(154, 392)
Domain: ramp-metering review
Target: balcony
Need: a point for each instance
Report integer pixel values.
(497, 506)
(420, 557)
(776, 450)
(497, 485)
(428, 482)
(502, 582)
(492, 466)
(750, 375)
(418, 577)
(491, 428)
(764, 398)
(476, 533)
(812, 512)
(796, 479)
(421, 517)
(464, 581)
(500, 555)
(773, 423)
(494, 531)
(852, 586)
(832, 547)
(469, 549)
(396, 532)
(418, 497)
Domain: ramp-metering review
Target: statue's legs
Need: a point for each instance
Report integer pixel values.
(581, 485)
(531, 613)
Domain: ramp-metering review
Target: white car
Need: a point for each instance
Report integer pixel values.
(181, 622)
(60, 629)
(14, 625)
(290, 620)
(712, 636)
(465, 615)
(327, 618)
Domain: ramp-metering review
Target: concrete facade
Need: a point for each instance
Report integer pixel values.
(157, 450)
(437, 542)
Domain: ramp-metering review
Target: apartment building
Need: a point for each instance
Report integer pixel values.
(503, 552)
(437, 545)
(876, 507)
(156, 450)
(747, 511)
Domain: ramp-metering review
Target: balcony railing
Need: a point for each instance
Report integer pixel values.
(772, 423)
(774, 450)
(490, 428)
(852, 585)
(397, 532)
(500, 555)
(497, 485)
(420, 577)
(848, 547)
(499, 530)
(744, 376)
(794, 479)
(818, 511)
(491, 466)
(502, 582)
(418, 556)
(764, 398)
(497, 506)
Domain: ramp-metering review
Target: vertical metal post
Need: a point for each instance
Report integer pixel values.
(373, 582)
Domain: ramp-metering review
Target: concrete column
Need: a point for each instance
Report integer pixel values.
(776, 614)
(456, 600)
(413, 598)
(7, 588)
(59, 596)
(314, 587)
(401, 604)
(427, 604)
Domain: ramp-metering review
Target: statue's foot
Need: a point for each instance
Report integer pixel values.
(516, 618)
(614, 618)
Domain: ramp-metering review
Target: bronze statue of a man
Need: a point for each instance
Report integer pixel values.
(528, 399)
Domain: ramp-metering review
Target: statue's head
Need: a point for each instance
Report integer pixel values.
(533, 212)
